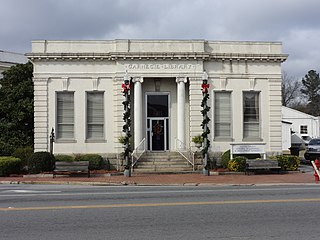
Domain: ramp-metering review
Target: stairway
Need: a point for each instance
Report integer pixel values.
(162, 162)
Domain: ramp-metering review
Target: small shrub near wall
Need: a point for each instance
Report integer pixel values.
(288, 162)
(9, 165)
(225, 158)
(24, 154)
(64, 158)
(95, 160)
(41, 162)
(237, 164)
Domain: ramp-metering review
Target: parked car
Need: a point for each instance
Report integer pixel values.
(313, 150)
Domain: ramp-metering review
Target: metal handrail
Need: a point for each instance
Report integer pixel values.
(185, 152)
(138, 151)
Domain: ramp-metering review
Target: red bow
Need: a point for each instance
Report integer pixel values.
(125, 87)
(205, 87)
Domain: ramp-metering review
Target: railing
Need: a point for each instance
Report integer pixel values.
(185, 152)
(137, 152)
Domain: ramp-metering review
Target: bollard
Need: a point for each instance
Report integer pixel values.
(316, 166)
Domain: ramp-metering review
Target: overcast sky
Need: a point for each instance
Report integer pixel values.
(296, 23)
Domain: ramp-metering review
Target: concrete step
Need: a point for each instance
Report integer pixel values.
(162, 162)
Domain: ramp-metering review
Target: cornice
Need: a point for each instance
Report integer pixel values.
(119, 56)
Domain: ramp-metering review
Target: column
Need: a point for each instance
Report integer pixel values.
(181, 98)
(137, 111)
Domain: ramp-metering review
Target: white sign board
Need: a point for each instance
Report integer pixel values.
(247, 149)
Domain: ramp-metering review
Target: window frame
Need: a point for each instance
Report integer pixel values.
(95, 139)
(246, 135)
(220, 137)
(58, 137)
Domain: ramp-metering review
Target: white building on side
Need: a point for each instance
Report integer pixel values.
(303, 126)
(77, 87)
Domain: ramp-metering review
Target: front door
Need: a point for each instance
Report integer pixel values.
(157, 122)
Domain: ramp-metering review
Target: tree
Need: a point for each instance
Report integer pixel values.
(290, 88)
(16, 108)
(311, 87)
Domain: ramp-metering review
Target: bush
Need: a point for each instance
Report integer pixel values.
(64, 158)
(41, 162)
(24, 154)
(288, 162)
(225, 158)
(9, 165)
(238, 164)
(95, 160)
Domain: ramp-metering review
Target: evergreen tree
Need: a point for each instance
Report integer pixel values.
(16, 108)
(311, 88)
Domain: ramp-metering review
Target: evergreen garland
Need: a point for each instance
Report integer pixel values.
(206, 131)
(127, 122)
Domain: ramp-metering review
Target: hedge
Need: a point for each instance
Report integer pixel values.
(95, 160)
(9, 165)
(41, 162)
(237, 164)
(64, 158)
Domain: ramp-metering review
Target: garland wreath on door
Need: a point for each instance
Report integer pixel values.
(127, 121)
(205, 120)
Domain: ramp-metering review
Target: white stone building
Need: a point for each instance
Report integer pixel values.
(78, 93)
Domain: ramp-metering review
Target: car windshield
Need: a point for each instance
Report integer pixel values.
(314, 142)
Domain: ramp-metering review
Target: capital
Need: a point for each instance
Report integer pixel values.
(181, 79)
(137, 79)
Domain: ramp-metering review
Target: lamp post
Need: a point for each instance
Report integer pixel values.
(205, 120)
(52, 139)
(127, 124)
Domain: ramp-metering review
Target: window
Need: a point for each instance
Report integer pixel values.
(303, 129)
(222, 114)
(251, 119)
(95, 116)
(65, 115)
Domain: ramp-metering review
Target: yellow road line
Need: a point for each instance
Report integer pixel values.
(166, 204)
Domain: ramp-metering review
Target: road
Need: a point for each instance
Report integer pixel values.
(225, 212)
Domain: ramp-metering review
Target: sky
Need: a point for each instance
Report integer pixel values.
(295, 23)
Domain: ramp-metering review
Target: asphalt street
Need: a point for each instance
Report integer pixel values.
(128, 212)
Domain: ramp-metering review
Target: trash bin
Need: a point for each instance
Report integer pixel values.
(295, 148)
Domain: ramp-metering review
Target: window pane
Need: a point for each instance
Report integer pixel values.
(65, 115)
(222, 114)
(251, 119)
(157, 106)
(95, 115)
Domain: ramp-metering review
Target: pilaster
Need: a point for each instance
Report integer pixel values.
(41, 129)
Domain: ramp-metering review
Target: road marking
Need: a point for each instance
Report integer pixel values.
(167, 204)
(316, 188)
(31, 191)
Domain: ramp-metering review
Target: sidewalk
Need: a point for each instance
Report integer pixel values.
(192, 179)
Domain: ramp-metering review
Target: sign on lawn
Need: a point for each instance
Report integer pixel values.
(242, 148)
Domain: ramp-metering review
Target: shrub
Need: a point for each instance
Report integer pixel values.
(288, 162)
(64, 158)
(24, 154)
(41, 162)
(95, 160)
(225, 158)
(9, 165)
(238, 164)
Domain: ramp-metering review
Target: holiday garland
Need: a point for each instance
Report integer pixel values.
(205, 120)
(127, 122)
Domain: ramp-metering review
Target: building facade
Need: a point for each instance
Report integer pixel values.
(303, 126)
(78, 93)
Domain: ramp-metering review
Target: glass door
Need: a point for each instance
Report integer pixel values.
(157, 122)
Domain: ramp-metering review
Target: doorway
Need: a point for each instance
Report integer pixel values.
(157, 121)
